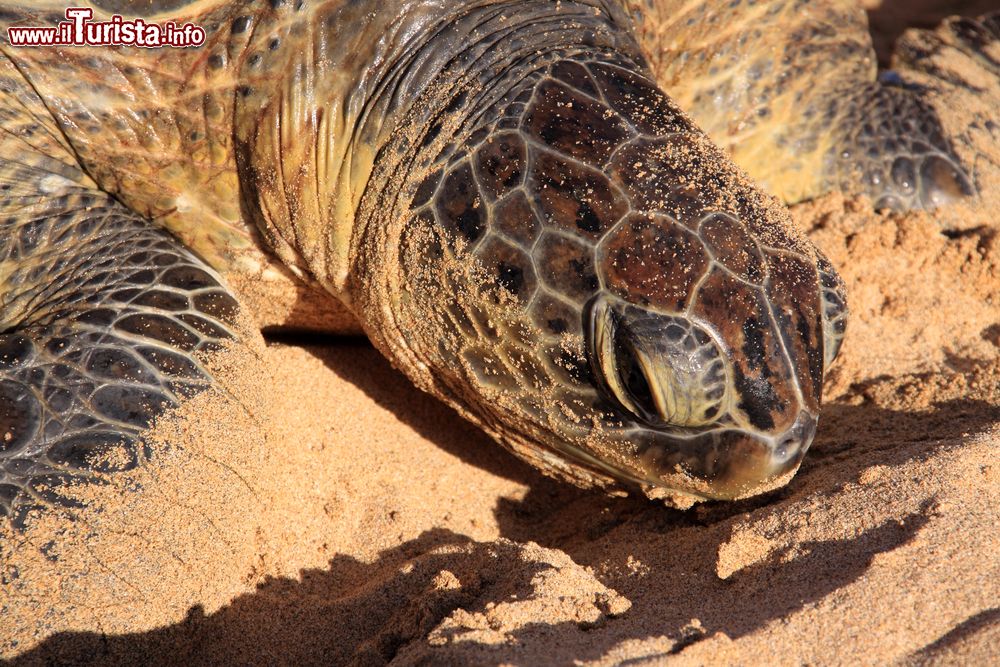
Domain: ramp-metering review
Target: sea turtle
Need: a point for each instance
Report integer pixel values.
(517, 215)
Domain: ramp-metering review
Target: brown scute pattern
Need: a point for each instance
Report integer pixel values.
(794, 290)
(575, 198)
(639, 101)
(732, 246)
(103, 314)
(576, 76)
(651, 260)
(460, 206)
(509, 268)
(573, 124)
(553, 316)
(567, 266)
(656, 175)
(514, 218)
(500, 163)
(763, 378)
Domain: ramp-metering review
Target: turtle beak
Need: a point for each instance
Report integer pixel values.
(749, 464)
(724, 464)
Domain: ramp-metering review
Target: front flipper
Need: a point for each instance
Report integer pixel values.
(794, 94)
(893, 144)
(102, 317)
(890, 145)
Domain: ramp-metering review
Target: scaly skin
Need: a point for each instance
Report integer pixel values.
(790, 88)
(519, 218)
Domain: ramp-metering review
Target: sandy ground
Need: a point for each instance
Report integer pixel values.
(321, 510)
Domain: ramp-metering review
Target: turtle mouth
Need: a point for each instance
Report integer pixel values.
(723, 464)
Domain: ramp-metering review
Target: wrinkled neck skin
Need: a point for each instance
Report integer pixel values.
(477, 63)
(357, 77)
(534, 219)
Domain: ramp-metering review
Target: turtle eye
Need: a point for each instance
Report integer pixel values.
(614, 361)
(662, 369)
(632, 380)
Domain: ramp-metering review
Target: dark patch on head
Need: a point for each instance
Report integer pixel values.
(510, 277)
(575, 198)
(566, 266)
(740, 317)
(758, 400)
(509, 267)
(500, 163)
(753, 346)
(552, 315)
(162, 300)
(576, 76)
(652, 260)
(587, 220)
(456, 102)
(573, 124)
(459, 205)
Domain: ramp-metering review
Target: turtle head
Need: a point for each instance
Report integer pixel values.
(591, 280)
(724, 387)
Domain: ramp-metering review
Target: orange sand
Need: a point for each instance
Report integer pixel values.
(321, 510)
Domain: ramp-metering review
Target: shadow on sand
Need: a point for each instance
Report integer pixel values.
(384, 606)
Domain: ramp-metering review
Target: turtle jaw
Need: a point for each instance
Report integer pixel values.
(726, 464)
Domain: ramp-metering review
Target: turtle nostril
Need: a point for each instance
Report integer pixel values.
(785, 447)
(798, 438)
(804, 429)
